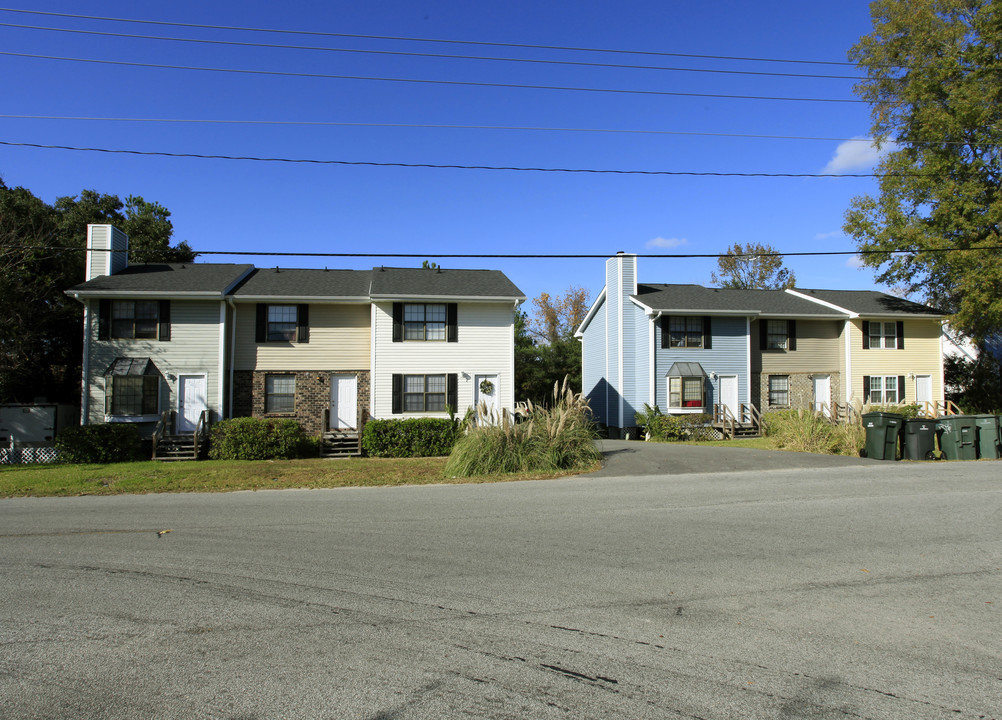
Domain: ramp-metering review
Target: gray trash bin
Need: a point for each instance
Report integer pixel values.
(882, 430)
(988, 436)
(920, 439)
(958, 437)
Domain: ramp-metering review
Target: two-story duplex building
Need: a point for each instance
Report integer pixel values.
(689, 349)
(328, 348)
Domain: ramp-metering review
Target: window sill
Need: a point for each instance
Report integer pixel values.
(131, 418)
(687, 411)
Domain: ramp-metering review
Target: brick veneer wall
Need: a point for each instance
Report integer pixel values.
(313, 394)
(801, 390)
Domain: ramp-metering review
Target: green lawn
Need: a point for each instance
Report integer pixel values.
(229, 475)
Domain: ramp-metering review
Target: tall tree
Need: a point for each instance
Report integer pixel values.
(546, 350)
(557, 317)
(752, 267)
(934, 80)
(41, 255)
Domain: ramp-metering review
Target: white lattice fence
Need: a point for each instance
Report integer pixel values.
(28, 455)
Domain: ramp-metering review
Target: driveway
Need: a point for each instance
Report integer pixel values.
(634, 458)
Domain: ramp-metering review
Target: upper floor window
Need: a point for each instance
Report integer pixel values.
(777, 335)
(283, 323)
(423, 322)
(883, 335)
(134, 320)
(679, 331)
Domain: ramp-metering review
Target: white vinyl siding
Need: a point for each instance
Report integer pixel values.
(192, 349)
(483, 348)
(339, 340)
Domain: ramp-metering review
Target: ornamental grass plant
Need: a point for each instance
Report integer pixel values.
(558, 437)
(806, 431)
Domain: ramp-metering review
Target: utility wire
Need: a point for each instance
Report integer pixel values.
(400, 53)
(317, 33)
(466, 83)
(462, 167)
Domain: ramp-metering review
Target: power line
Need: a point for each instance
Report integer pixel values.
(316, 33)
(442, 126)
(400, 53)
(465, 83)
(309, 161)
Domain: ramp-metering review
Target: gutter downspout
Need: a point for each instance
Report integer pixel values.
(848, 362)
(233, 355)
(85, 366)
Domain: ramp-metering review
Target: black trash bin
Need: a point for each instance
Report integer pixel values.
(882, 430)
(988, 436)
(958, 437)
(920, 439)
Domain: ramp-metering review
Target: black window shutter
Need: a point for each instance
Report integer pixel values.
(104, 320)
(164, 320)
(866, 388)
(791, 332)
(707, 333)
(866, 334)
(665, 322)
(398, 394)
(303, 324)
(452, 311)
(763, 334)
(398, 323)
(452, 390)
(261, 329)
(901, 335)
(901, 388)
(109, 384)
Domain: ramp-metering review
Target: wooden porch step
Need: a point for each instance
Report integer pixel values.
(172, 448)
(338, 443)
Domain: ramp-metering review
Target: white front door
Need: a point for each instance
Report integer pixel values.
(344, 402)
(192, 399)
(822, 393)
(729, 394)
(923, 389)
(486, 390)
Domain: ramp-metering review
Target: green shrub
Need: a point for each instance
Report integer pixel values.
(668, 428)
(907, 411)
(805, 431)
(412, 437)
(559, 437)
(101, 443)
(260, 439)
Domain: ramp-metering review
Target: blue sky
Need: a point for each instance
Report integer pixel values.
(261, 206)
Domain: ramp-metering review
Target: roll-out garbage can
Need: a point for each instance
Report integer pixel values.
(988, 436)
(958, 437)
(920, 439)
(882, 430)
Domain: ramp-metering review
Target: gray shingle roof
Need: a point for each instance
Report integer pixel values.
(304, 283)
(871, 302)
(165, 279)
(424, 282)
(696, 298)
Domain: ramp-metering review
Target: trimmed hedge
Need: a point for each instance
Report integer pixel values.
(101, 443)
(260, 439)
(413, 437)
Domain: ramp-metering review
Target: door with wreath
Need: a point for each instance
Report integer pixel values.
(485, 390)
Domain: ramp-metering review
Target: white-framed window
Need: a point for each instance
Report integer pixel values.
(425, 321)
(132, 395)
(779, 391)
(279, 393)
(883, 335)
(282, 323)
(884, 389)
(685, 332)
(424, 393)
(777, 334)
(686, 392)
(135, 319)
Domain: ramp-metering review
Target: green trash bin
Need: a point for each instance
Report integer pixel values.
(920, 439)
(958, 437)
(988, 436)
(882, 430)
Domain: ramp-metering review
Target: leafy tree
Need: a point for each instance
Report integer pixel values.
(934, 80)
(546, 350)
(41, 334)
(975, 385)
(752, 267)
(558, 317)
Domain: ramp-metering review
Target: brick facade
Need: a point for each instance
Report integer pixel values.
(313, 395)
(801, 390)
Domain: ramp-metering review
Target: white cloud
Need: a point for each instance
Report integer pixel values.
(856, 154)
(828, 235)
(855, 261)
(660, 242)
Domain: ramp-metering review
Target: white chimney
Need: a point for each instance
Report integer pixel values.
(107, 251)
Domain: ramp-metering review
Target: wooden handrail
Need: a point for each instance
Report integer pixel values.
(158, 431)
(200, 429)
(723, 416)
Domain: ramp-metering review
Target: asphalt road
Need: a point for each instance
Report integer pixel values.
(867, 590)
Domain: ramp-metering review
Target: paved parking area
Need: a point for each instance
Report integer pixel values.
(632, 458)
